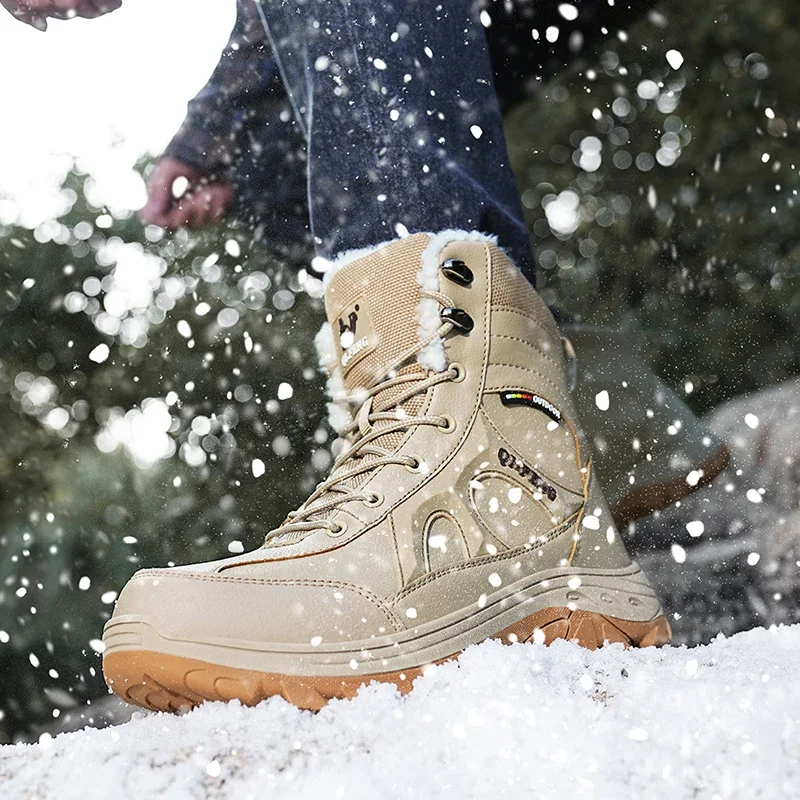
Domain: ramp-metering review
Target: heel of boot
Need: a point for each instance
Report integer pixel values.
(589, 629)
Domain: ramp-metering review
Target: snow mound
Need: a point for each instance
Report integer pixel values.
(721, 720)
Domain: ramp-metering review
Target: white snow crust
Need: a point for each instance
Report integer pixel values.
(717, 721)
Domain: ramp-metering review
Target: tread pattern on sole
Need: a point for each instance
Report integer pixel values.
(162, 682)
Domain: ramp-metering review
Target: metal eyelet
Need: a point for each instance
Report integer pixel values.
(376, 500)
(457, 271)
(458, 318)
(415, 467)
(461, 372)
(339, 530)
(449, 424)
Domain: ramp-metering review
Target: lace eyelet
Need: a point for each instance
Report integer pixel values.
(449, 424)
(458, 318)
(340, 530)
(377, 499)
(414, 469)
(461, 373)
(457, 271)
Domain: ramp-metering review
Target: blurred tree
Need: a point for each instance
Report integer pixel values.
(145, 387)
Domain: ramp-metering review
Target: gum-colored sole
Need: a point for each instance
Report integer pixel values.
(163, 682)
(644, 500)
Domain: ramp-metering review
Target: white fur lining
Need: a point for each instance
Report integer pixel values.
(338, 413)
(432, 356)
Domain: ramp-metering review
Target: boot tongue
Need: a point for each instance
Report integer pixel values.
(372, 309)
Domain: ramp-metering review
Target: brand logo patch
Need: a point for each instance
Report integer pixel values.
(347, 330)
(354, 333)
(524, 471)
(519, 397)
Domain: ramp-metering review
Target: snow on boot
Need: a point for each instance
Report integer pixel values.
(649, 448)
(462, 507)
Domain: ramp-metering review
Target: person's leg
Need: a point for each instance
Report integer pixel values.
(401, 118)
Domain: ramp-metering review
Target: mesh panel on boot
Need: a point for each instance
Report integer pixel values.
(386, 282)
(510, 289)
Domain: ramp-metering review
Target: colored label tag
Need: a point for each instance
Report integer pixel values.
(519, 397)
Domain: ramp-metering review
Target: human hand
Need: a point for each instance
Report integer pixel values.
(203, 201)
(36, 12)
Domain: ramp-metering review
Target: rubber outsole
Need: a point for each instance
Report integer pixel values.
(641, 501)
(163, 682)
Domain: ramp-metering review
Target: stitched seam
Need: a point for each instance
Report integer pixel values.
(512, 310)
(308, 582)
(517, 387)
(527, 369)
(508, 555)
(577, 533)
(393, 537)
(532, 345)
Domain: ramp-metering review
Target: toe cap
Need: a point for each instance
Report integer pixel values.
(215, 608)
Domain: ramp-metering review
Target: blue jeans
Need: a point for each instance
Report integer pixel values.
(403, 130)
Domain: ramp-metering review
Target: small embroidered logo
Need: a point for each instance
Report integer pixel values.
(353, 329)
(524, 471)
(347, 330)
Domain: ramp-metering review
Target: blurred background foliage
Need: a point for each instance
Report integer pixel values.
(159, 399)
(674, 192)
(140, 425)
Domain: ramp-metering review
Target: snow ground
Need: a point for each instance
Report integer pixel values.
(716, 721)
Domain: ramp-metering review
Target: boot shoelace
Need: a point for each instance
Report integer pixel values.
(363, 456)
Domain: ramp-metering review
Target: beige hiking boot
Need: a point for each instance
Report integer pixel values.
(463, 507)
(649, 448)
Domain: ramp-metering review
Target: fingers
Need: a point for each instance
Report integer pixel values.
(34, 20)
(202, 204)
(31, 7)
(106, 6)
(160, 197)
(62, 9)
(26, 12)
(157, 207)
(97, 8)
(36, 12)
(87, 9)
(202, 207)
